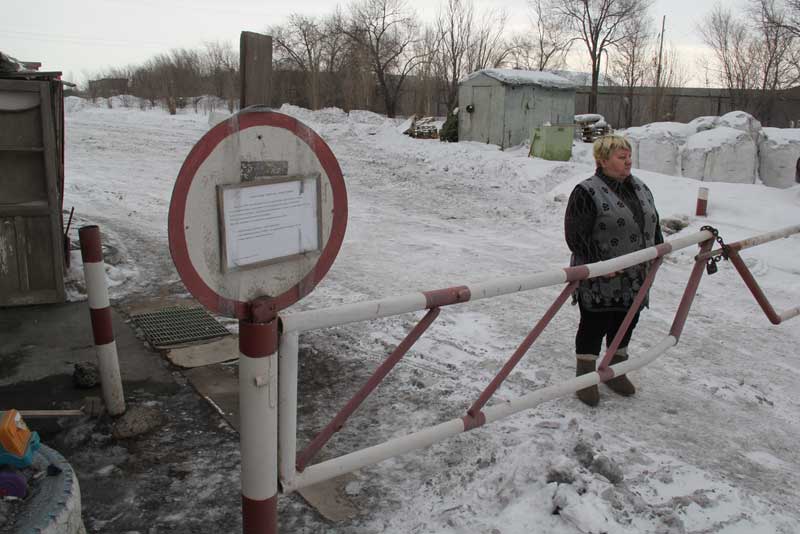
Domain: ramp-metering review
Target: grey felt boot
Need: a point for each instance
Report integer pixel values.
(586, 364)
(620, 384)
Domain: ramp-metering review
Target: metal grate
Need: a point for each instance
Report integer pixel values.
(178, 325)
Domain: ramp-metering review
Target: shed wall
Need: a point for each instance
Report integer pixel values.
(529, 106)
(504, 115)
(486, 123)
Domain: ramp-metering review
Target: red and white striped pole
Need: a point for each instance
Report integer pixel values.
(100, 312)
(258, 425)
(702, 202)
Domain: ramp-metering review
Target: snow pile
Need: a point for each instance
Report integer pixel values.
(779, 152)
(424, 215)
(720, 155)
(74, 103)
(366, 117)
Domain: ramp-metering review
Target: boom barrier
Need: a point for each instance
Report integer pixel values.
(295, 471)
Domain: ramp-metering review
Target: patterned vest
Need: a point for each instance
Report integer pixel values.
(616, 233)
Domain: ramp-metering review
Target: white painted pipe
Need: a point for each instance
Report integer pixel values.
(374, 309)
(372, 455)
(101, 318)
(287, 402)
(788, 314)
(428, 436)
(755, 241)
(110, 378)
(516, 284)
(96, 286)
(500, 411)
(351, 313)
(258, 424)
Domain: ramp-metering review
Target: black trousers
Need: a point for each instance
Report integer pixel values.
(596, 325)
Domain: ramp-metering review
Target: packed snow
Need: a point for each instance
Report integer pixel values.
(708, 443)
(524, 77)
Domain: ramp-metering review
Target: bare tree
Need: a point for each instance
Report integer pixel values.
(453, 39)
(599, 24)
(632, 61)
(488, 48)
(427, 82)
(546, 47)
(387, 31)
(300, 42)
(753, 55)
(221, 62)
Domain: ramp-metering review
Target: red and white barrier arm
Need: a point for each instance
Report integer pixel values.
(100, 312)
(752, 241)
(375, 309)
(424, 438)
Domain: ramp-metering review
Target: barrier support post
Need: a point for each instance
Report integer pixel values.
(94, 271)
(701, 210)
(258, 423)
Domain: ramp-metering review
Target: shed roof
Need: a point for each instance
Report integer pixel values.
(524, 77)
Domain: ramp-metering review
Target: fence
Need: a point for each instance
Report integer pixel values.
(294, 470)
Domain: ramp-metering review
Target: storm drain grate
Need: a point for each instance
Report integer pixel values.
(178, 325)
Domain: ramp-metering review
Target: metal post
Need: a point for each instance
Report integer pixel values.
(702, 202)
(258, 423)
(287, 402)
(100, 312)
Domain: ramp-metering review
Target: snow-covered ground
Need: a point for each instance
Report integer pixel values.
(708, 444)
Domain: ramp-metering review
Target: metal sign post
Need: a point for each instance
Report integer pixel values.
(257, 217)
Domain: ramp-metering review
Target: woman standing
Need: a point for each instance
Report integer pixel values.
(608, 215)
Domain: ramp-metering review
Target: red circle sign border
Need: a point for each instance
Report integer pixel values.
(177, 211)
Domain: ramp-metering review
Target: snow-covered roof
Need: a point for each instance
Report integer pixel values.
(524, 77)
(584, 78)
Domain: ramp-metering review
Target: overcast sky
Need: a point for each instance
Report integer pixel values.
(83, 37)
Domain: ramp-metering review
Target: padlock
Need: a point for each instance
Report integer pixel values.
(711, 266)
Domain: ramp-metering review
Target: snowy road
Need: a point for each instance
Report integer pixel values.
(708, 444)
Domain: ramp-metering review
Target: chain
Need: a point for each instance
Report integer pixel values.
(711, 264)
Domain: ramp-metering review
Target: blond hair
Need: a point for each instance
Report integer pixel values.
(606, 145)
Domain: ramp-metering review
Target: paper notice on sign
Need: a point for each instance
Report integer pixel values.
(264, 222)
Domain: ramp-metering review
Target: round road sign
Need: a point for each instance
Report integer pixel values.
(259, 209)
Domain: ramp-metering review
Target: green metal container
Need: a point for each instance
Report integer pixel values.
(552, 142)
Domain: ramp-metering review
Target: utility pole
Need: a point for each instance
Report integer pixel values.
(657, 95)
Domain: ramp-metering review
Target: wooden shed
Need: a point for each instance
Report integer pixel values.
(502, 106)
(31, 188)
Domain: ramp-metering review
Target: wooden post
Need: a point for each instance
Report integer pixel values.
(255, 68)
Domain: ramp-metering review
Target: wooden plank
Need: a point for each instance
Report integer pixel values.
(19, 85)
(29, 209)
(51, 159)
(22, 253)
(21, 128)
(255, 67)
(9, 270)
(22, 177)
(41, 269)
(45, 296)
(18, 101)
(10, 148)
